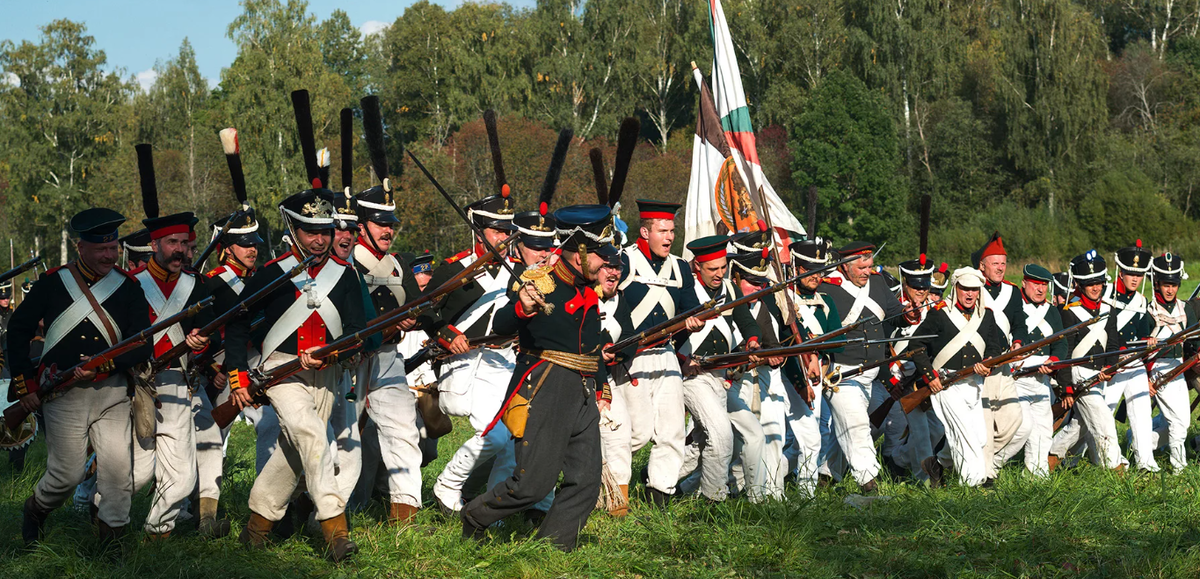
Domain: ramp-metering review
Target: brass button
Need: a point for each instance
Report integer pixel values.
(524, 443)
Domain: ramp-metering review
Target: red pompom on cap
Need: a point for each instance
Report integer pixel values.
(922, 260)
(504, 191)
(762, 225)
(543, 208)
(316, 183)
(1138, 244)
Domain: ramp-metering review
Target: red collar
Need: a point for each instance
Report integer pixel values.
(966, 311)
(1158, 298)
(1087, 303)
(479, 249)
(363, 242)
(644, 247)
(234, 266)
(1120, 287)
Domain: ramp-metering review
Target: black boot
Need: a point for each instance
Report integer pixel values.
(933, 468)
(534, 517)
(33, 521)
(471, 530)
(658, 498)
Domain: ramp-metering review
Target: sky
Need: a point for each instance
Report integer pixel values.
(134, 34)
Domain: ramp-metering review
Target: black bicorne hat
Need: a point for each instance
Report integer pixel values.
(1088, 268)
(589, 225)
(1167, 268)
(310, 210)
(1133, 259)
(6, 290)
(1062, 284)
(810, 253)
(918, 273)
(537, 230)
(377, 205)
(492, 212)
(243, 231)
(754, 266)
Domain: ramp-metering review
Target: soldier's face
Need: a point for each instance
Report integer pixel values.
(610, 278)
(494, 236)
(967, 296)
(246, 256)
(993, 267)
(4, 302)
(711, 272)
(749, 287)
(916, 296)
(314, 242)
(171, 251)
(381, 234)
(1092, 291)
(859, 271)
(343, 243)
(659, 235)
(99, 257)
(1131, 281)
(1168, 290)
(532, 255)
(422, 279)
(1035, 290)
(809, 283)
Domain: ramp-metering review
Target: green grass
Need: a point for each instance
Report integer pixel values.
(1081, 521)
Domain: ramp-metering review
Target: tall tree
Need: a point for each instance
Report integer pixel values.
(62, 113)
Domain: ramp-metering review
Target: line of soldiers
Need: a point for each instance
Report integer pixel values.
(563, 307)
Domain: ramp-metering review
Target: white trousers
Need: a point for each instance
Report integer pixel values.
(302, 404)
(1001, 412)
(706, 460)
(802, 451)
(99, 412)
(169, 459)
(616, 430)
(1134, 386)
(1091, 427)
(1037, 424)
(210, 443)
(656, 414)
(960, 409)
(851, 425)
(392, 406)
(347, 441)
(1175, 415)
(762, 469)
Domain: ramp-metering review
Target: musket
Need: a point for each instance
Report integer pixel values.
(242, 306)
(58, 381)
(732, 359)
(640, 337)
(1166, 377)
(712, 310)
(1059, 365)
(260, 381)
(884, 362)
(546, 308)
(912, 400)
(904, 313)
(1060, 407)
(433, 351)
(20, 269)
(881, 413)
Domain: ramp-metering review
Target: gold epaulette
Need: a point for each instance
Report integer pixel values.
(541, 278)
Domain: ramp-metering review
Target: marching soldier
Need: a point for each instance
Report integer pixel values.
(1042, 319)
(706, 461)
(168, 455)
(391, 404)
(1171, 315)
(1134, 323)
(756, 399)
(1092, 419)
(924, 428)
(658, 286)
(237, 254)
(324, 303)
(964, 333)
(422, 376)
(860, 296)
(817, 314)
(87, 306)
(1000, 406)
(472, 380)
(559, 367)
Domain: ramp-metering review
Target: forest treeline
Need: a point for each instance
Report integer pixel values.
(1064, 124)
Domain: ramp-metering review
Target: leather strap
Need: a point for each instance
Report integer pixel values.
(87, 293)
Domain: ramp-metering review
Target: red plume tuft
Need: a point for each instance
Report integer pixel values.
(1139, 244)
(762, 225)
(543, 208)
(922, 260)
(504, 191)
(316, 182)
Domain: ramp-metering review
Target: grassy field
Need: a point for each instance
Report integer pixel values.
(1080, 522)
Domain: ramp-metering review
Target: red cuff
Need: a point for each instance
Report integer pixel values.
(1069, 390)
(238, 379)
(521, 311)
(753, 341)
(101, 376)
(1052, 360)
(442, 335)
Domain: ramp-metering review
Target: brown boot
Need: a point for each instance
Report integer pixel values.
(1053, 462)
(155, 537)
(337, 538)
(33, 521)
(622, 510)
(257, 531)
(210, 526)
(401, 514)
(109, 534)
